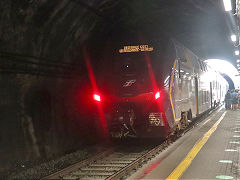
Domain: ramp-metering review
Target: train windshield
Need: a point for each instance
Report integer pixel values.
(128, 75)
(129, 65)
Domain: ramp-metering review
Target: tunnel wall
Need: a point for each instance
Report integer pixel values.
(40, 118)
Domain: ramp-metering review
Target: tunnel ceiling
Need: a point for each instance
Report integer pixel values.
(57, 30)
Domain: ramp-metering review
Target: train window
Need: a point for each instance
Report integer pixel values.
(200, 64)
(205, 66)
(220, 87)
(206, 96)
(179, 70)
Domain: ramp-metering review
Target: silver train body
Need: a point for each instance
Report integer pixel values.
(193, 84)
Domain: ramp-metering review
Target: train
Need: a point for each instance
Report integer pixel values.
(148, 88)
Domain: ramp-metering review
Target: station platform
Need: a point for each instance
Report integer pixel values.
(208, 151)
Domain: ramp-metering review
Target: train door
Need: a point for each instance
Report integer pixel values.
(182, 89)
(175, 91)
(187, 88)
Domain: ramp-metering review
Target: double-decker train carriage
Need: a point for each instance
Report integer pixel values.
(145, 88)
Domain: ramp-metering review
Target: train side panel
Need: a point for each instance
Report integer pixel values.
(194, 87)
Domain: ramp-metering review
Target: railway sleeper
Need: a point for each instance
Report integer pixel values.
(106, 168)
(89, 177)
(122, 159)
(121, 165)
(114, 161)
(69, 177)
(93, 173)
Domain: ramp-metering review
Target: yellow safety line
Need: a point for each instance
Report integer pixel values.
(182, 167)
(170, 92)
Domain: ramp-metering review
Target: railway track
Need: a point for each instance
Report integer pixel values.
(115, 163)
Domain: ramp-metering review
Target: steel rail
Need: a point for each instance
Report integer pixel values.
(74, 167)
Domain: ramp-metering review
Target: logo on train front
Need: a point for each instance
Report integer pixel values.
(129, 83)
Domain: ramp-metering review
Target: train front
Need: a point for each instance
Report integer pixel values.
(131, 93)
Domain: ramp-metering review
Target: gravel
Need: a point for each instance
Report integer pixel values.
(44, 169)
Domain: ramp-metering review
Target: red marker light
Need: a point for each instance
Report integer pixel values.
(157, 95)
(96, 97)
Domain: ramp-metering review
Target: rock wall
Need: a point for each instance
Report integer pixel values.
(41, 74)
(40, 118)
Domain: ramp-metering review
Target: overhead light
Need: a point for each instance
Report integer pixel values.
(238, 60)
(237, 52)
(238, 65)
(233, 38)
(227, 5)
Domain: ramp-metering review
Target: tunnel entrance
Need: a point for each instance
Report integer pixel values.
(227, 70)
(229, 80)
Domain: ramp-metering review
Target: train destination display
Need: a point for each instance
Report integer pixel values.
(138, 48)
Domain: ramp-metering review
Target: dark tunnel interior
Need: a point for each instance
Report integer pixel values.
(44, 48)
